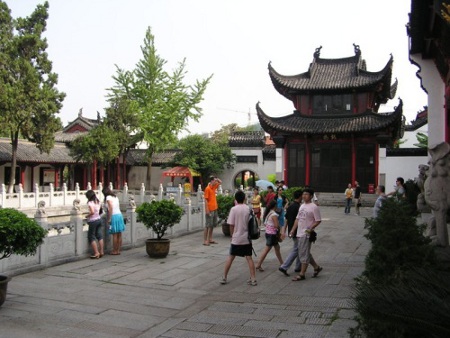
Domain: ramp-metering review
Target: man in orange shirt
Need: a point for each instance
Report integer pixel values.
(211, 210)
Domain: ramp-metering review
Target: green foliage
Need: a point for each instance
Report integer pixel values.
(412, 191)
(203, 155)
(289, 193)
(162, 102)
(19, 234)
(159, 215)
(29, 99)
(272, 178)
(225, 203)
(422, 139)
(398, 249)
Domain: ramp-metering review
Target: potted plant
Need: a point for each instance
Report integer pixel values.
(19, 235)
(225, 203)
(159, 216)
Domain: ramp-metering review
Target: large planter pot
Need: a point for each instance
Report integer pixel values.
(226, 229)
(157, 248)
(3, 287)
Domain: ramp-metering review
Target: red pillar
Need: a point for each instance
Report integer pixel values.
(102, 175)
(56, 182)
(22, 176)
(117, 173)
(84, 185)
(94, 175)
(377, 162)
(307, 163)
(353, 160)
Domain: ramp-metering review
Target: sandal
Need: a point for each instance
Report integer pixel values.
(317, 271)
(95, 256)
(213, 242)
(259, 268)
(252, 282)
(298, 277)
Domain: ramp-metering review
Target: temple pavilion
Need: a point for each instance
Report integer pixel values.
(334, 135)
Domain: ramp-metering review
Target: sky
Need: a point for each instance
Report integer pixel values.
(234, 40)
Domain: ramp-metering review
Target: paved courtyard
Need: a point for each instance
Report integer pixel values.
(132, 295)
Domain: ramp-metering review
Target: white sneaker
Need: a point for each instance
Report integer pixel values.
(252, 282)
(223, 281)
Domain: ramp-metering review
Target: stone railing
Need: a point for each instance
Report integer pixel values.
(56, 198)
(67, 241)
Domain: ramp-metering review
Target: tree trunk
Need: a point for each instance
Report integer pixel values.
(12, 176)
(149, 172)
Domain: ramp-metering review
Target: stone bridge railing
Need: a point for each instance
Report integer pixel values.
(67, 240)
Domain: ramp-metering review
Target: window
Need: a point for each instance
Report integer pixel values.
(247, 159)
(332, 104)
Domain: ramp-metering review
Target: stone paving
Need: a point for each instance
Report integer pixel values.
(132, 295)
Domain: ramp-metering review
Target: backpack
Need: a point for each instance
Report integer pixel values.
(253, 228)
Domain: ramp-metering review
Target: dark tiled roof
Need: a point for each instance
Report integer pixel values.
(420, 121)
(399, 152)
(324, 124)
(28, 153)
(86, 123)
(269, 152)
(335, 75)
(246, 139)
(137, 157)
(61, 136)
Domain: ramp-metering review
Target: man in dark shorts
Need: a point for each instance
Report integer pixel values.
(240, 244)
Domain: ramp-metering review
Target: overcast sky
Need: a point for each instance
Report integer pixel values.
(232, 39)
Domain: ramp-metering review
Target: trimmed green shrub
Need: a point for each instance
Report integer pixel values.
(225, 203)
(19, 235)
(395, 268)
(159, 215)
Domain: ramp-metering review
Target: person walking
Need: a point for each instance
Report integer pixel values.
(380, 191)
(256, 204)
(348, 198)
(211, 210)
(399, 189)
(270, 219)
(307, 220)
(358, 196)
(291, 214)
(281, 204)
(241, 245)
(95, 225)
(270, 195)
(114, 220)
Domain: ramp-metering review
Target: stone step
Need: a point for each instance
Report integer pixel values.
(336, 199)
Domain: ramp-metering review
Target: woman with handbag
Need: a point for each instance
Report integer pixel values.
(256, 204)
(95, 225)
(270, 219)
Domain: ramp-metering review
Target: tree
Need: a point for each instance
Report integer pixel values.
(29, 98)
(422, 139)
(163, 103)
(203, 155)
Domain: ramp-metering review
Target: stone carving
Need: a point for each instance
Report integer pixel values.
(41, 209)
(437, 191)
(76, 205)
(131, 201)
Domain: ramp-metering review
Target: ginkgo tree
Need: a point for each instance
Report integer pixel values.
(162, 101)
(29, 99)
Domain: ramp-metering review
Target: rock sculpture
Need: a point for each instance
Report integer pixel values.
(437, 191)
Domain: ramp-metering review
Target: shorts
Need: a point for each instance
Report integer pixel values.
(95, 230)
(304, 249)
(211, 220)
(271, 240)
(241, 250)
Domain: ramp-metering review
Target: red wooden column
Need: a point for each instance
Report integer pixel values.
(353, 160)
(117, 173)
(94, 175)
(56, 182)
(22, 176)
(84, 185)
(377, 163)
(307, 162)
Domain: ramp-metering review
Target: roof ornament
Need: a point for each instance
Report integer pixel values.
(317, 52)
(80, 112)
(357, 50)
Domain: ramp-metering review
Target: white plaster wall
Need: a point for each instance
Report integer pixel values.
(410, 137)
(137, 176)
(405, 166)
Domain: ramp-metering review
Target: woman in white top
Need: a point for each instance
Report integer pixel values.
(114, 220)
